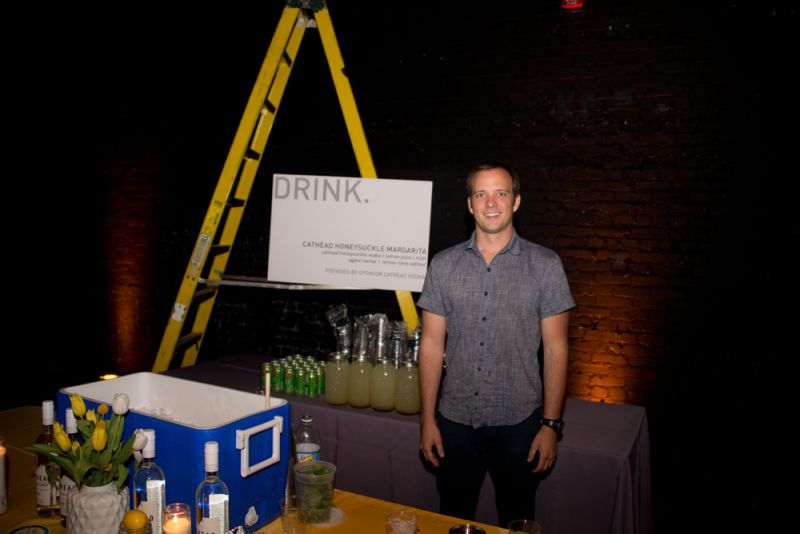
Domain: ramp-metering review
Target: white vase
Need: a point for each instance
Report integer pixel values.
(96, 510)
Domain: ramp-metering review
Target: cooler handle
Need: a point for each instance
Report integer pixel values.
(243, 443)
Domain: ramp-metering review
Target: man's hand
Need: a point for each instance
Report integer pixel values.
(546, 444)
(430, 438)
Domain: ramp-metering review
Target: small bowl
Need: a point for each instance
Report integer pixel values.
(466, 529)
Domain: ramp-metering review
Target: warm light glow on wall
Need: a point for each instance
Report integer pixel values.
(108, 376)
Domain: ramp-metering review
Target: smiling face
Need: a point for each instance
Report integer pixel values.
(492, 201)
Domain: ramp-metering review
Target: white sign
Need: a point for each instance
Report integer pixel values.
(350, 232)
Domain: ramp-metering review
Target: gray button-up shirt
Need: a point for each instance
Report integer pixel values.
(493, 315)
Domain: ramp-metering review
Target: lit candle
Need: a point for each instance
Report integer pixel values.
(176, 519)
(3, 484)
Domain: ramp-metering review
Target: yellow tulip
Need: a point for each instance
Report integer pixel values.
(99, 437)
(102, 409)
(57, 428)
(78, 406)
(76, 447)
(62, 440)
(91, 416)
(102, 424)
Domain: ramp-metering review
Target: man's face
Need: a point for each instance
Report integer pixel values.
(492, 201)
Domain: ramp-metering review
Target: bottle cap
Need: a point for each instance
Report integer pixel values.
(305, 418)
(149, 450)
(212, 456)
(47, 412)
(70, 425)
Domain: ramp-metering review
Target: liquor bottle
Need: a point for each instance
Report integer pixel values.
(67, 484)
(306, 439)
(149, 484)
(46, 490)
(212, 496)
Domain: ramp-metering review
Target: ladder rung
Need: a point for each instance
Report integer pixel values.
(270, 106)
(235, 202)
(252, 154)
(287, 59)
(189, 339)
(219, 249)
(203, 294)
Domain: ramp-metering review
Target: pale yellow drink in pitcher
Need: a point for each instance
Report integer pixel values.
(358, 383)
(336, 379)
(382, 387)
(406, 392)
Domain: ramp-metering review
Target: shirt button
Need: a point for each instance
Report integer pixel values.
(485, 293)
(476, 393)
(489, 269)
(484, 318)
(479, 368)
(481, 343)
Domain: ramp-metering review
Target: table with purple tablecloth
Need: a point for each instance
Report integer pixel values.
(600, 483)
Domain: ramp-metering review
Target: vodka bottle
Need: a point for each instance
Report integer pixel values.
(67, 484)
(212, 496)
(306, 440)
(149, 484)
(46, 489)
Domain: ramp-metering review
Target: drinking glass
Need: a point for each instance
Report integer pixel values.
(524, 526)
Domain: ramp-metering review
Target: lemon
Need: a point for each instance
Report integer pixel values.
(135, 520)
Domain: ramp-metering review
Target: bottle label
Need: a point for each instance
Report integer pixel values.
(66, 485)
(46, 493)
(154, 503)
(307, 452)
(217, 520)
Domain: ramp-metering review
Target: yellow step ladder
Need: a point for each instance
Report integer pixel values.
(237, 176)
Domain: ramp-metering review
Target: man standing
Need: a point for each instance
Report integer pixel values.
(493, 300)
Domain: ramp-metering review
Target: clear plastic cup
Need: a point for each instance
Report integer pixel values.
(314, 488)
(401, 522)
(524, 526)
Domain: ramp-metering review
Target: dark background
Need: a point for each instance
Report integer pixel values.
(654, 139)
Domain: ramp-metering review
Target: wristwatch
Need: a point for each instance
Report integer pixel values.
(555, 424)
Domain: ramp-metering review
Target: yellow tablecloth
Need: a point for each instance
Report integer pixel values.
(20, 426)
(366, 515)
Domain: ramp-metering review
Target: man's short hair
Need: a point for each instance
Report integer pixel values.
(489, 165)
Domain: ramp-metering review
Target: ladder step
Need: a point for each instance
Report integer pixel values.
(187, 340)
(235, 202)
(252, 154)
(219, 249)
(203, 294)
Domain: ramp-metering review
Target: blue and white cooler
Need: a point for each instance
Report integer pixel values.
(253, 438)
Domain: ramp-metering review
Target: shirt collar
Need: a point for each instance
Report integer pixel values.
(512, 246)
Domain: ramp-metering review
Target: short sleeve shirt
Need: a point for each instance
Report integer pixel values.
(493, 314)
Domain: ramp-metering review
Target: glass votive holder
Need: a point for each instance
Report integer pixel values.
(524, 526)
(177, 519)
(3, 478)
(401, 522)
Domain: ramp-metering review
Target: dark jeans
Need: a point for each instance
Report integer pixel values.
(503, 451)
